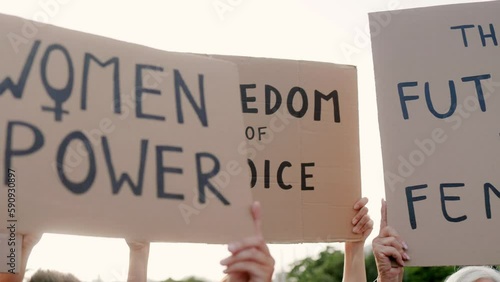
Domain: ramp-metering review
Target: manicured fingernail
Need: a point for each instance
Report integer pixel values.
(406, 256)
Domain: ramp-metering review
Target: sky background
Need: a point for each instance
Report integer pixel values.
(316, 30)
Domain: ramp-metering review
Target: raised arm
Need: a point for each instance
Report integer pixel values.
(138, 263)
(29, 242)
(354, 257)
(389, 251)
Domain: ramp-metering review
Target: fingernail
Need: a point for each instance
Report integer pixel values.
(406, 256)
(231, 247)
(354, 220)
(405, 246)
(355, 230)
(225, 271)
(224, 261)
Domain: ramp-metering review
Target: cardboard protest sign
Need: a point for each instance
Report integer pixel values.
(301, 126)
(105, 138)
(437, 76)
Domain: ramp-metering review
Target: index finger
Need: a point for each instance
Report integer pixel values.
(257, 218)
(383, 211)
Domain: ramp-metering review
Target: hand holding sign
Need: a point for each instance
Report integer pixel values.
(362, 222)
(387, 247)
(354, 256)
(250, 259)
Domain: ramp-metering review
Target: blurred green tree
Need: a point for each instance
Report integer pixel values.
(371, 267)
(430, 274)
(329, 267)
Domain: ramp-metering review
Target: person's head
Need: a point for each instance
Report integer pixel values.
(52, 276)
(475, 274)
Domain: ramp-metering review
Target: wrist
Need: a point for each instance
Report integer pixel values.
(139, 249)
(382, 279)
(143, 251)
(390, 278)
(354, 245)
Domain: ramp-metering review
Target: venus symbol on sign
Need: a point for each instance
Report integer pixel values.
(58, 95)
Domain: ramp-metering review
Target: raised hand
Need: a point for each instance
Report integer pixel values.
(389, 251)
(362, 222)
(250, 259)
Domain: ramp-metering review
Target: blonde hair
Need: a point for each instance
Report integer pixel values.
(473, 273)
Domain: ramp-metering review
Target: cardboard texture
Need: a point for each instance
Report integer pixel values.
(73, 122)
(312, 147)
(440, 149)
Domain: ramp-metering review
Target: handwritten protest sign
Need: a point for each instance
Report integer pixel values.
(301, 126)
(100, 137)
(438, 75)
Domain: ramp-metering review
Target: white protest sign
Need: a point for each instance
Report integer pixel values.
(437, 73)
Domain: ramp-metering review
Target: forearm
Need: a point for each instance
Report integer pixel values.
(395, 275)
(7, 277)
(399, 278)
(19, 276)
(354, 262)
(138, 265)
